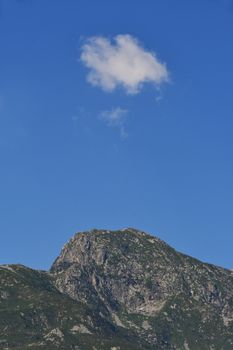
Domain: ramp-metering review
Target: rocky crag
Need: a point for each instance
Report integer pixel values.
(117, 290)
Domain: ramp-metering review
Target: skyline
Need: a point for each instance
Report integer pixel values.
(90, 140)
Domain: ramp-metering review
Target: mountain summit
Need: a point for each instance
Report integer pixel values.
(117, 290)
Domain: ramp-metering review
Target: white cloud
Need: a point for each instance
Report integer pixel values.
(121, 62)
(115, 117)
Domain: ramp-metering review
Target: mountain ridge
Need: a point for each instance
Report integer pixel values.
(121, 289)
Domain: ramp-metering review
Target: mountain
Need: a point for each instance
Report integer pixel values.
(117, 290)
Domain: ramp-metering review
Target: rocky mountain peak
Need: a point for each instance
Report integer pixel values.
(127, 267)
(93, 245)
(122, 289)
(116, 266)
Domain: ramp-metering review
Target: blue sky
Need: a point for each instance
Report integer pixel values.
(113, 152)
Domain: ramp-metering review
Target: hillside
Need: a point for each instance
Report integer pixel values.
(117, 290)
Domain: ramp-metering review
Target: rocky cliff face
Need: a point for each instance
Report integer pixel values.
(118, 290)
